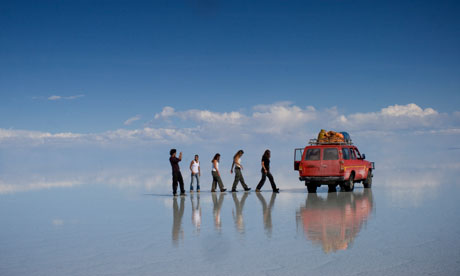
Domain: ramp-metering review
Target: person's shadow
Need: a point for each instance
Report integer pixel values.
(267, 212)
(217, 205)
(238, 212)
(178, 213)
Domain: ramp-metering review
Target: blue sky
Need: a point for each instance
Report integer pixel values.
(131, 58)
(108, 87)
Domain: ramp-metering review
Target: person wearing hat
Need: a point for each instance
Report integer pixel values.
(176, 174)
(238, 175)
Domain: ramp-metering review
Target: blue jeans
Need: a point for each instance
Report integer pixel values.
(197, 182)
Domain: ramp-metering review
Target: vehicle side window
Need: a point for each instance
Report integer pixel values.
(330, 154)
(346, 153)
(313, 154)
(353, 155)
(357, 153)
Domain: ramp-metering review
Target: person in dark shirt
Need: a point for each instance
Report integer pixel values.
(266, 172)
(176, 174)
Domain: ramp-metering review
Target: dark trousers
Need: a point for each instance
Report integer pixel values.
(239, 178)
(177, 177)
(264, 177)
(216, 180)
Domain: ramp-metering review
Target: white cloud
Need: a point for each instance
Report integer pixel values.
(56, 97)
(132, 119)
(395, 117)
(280, 120)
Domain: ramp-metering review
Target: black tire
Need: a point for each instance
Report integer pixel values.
(368, 182)
(332, 188)
(311, 188)
(350, 183)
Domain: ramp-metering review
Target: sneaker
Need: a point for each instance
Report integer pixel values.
(257, 190)
(174, 194)
(198, 190)
(247, 189)
(277, 190)
(182, 194)
(234, 191)
(223, 190)
(213, 191)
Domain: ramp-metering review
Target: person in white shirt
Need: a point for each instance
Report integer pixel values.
(196, 173)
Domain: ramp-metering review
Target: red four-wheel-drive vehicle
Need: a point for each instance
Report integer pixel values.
(332, 163)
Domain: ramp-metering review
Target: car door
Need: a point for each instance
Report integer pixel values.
(297, 158)
(330, 165)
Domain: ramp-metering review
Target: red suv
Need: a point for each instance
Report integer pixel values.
(332, 164)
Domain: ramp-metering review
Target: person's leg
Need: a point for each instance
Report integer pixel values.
(181, 183)
(191, 182)
(174, 182)
(197, 182)
(262, 181)
(272, 181)
(245, 187)
(235, 182)
(214, 181)
(221, 185)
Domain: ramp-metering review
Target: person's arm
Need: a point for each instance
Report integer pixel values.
(180, 156)
(191, 164)
(199, 169)
(233, 164)
(263, 166)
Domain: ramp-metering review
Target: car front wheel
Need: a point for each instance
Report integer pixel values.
(350, 184)
(368, 182)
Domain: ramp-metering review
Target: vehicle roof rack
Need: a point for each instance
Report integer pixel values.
(315, 142)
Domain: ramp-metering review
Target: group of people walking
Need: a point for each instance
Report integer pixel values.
(216, 179)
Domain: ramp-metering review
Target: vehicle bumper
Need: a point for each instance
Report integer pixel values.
(322, 179)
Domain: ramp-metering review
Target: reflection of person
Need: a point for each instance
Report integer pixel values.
(266, 173)
(195, 173)
(178, 212)
(217, 204)
(216, 174)
(267, 212)
(335, 222)
(176, 175)
(238, 175)
(196, 212)
(238, 213)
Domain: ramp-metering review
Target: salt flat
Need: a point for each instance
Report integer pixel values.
(106, 230)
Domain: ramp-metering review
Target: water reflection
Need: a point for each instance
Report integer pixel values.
(238, 211)
(335, 221)
(267, 212)
(196, 212)
(217, 205)
(178, 213)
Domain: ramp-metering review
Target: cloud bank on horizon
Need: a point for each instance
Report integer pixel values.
(280, 121)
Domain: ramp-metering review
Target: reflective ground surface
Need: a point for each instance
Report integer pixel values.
(98, 230)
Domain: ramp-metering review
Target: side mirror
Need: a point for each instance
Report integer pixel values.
(364, 156)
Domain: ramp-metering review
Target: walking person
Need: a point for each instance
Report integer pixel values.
(176, 174)
(196, 173)
(216, 174)
(238, 175)
(266, 173)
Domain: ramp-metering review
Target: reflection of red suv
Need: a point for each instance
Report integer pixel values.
(332, 164)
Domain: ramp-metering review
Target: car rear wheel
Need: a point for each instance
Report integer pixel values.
(368, 182)
(311, 187)
(350, 183)
(332, 188)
